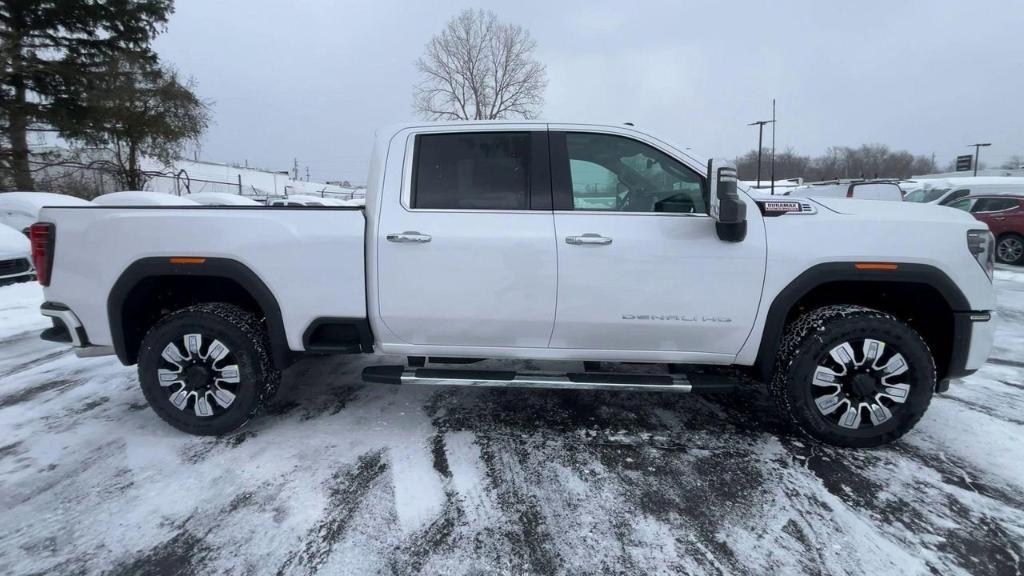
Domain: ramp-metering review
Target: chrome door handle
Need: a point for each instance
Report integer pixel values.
(408, 236)
(588, 239)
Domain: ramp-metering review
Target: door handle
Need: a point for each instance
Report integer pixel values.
(588, 238)
(408, 237)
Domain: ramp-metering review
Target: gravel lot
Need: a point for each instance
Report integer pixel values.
(344, 478)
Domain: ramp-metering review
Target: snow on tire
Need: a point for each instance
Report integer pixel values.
(206, 369)
(852, 376)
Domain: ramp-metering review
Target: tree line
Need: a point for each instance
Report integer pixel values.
(866, 161)
(84, 71)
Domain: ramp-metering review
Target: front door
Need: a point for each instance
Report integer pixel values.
(467, 258)
(640, 266)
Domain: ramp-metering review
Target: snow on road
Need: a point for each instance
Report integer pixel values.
(345, 478)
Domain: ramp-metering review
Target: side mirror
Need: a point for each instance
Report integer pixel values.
(725, 205)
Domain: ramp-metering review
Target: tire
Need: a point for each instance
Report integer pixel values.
(199, 387)
(873, 401)
(1010, 249)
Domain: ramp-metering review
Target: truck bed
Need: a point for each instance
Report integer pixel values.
(311, 258)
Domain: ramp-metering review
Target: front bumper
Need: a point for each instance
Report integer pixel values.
(973, 335)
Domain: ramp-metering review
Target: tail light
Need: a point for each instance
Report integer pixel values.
(42, 236)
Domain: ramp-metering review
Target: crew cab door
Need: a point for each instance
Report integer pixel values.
(465, 244)
(640, 266)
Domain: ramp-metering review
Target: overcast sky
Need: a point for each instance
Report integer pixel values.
(313, 79)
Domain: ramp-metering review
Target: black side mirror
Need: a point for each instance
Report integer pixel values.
(726, 207)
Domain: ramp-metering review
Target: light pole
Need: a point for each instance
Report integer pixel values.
(760, 133)
(977, 148)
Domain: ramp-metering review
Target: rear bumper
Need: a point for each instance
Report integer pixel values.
(68, 329)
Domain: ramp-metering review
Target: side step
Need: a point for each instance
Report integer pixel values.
(552, 380)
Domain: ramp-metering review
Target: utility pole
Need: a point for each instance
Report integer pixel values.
(307, 173)
(977, 149)
(760, 136)
(773, 147)
(295, 169)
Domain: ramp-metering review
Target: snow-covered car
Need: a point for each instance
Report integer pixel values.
(221, 199)
(142, 198)
(19, 210)
(474, 245)
(948, 191)
(15, 256)
(859, 190)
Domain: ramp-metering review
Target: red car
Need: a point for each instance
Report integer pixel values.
(1004, 215)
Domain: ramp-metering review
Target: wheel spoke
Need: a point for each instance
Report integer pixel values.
(168, 377)
(172, 355)
(879, 413)
(193, 342)
(843, 354)
(216, 352)
(180, 398)
(228, 374)
(826, 377)
(829, 404)
(222, 396)
(896, 392)
(872, 351)
(894, 367)
(851, 418)
(202, 407)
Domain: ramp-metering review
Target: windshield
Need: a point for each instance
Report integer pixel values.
(922, 195)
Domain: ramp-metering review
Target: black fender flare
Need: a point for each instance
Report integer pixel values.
(204, 267)
(815, 276)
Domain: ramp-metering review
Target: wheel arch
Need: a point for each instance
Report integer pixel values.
(904, 290)
(154, 286)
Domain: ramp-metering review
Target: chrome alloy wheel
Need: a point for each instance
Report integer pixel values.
(848, 383)
(203, 380)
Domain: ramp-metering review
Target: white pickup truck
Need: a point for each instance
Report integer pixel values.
(538, 241)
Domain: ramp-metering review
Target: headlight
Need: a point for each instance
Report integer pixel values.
(982, 244)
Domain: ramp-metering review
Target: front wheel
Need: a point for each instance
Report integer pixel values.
(206, 369)
(853, 376)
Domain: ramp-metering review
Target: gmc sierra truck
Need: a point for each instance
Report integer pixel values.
(541, 241)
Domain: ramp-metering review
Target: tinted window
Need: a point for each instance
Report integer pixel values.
(962, 193)
(964, 204)
(993, 204)
(475, 171)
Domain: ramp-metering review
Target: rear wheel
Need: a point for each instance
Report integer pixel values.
(206, 369)
(1010, 249)
(852, 376)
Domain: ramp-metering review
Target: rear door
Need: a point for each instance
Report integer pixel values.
(466, 256)
(640, 266)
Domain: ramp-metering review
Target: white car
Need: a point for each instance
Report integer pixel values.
(945, 192)
(15, 255)
(19, 210)
(479, 240)
(304, 200)
(221, 199)
(859, 190)
(142, 198)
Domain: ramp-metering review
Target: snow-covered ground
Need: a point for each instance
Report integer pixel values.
(344, 478)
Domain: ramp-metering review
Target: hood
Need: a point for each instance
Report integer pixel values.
(13, 244)
(889, 210)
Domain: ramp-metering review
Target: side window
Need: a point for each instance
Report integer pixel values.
(994, 204)
(472, 171)
(619, 174)
(964, 204)
(962, 193)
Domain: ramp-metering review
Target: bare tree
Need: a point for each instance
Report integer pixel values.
(480, 69)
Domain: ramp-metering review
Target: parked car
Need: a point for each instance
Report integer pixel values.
(142, 198)
(1004, 215)
(221, 199)
(15, 256)
(859, 190)
(19, 210)
(947, 191)
(855, 313)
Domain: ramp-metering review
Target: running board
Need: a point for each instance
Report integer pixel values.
(552, 380)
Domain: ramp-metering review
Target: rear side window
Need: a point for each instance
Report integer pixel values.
(994, 204)
(962, 193)
(472, 171)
